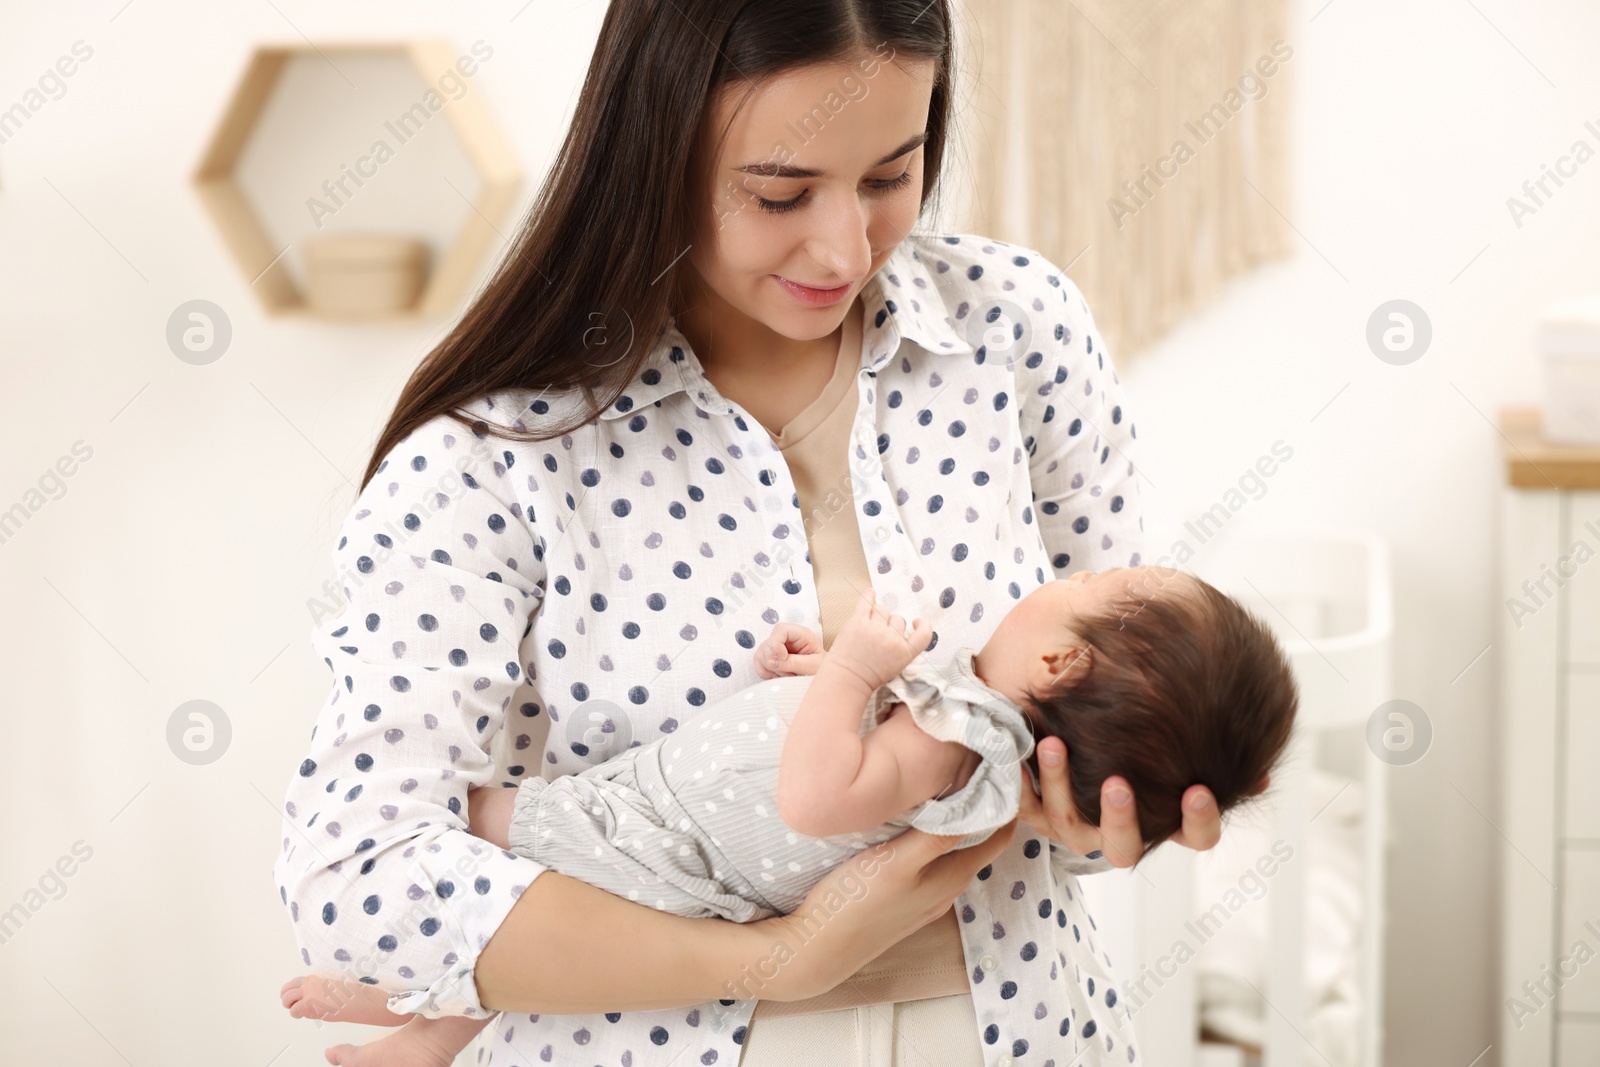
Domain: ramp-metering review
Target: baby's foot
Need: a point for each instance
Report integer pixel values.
(419, 1043)
(338, 999)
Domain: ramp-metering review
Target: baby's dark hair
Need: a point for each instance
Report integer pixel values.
(1183, 685)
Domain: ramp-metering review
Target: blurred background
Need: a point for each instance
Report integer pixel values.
(1355, 315)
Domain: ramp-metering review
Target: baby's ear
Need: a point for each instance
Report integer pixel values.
(1064, 666)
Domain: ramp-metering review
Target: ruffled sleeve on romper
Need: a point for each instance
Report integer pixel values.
(951, 703)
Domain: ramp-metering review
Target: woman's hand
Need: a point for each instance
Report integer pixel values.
(888, 892)
(1052, 813)
(790, 649)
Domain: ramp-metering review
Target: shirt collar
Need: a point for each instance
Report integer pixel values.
(904, 300)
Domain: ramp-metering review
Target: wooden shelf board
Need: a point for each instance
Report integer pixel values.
(1534, 463)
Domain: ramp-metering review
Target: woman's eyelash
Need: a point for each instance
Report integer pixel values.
(780, 206)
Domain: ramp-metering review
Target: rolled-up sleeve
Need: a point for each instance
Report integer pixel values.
(438, 572)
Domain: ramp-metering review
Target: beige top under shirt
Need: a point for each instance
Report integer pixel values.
(815, 443)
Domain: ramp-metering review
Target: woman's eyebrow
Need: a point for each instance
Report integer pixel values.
(788, 170)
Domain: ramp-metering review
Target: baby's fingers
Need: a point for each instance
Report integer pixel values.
(802, 663)
(863, 613)
(801, 640)
(920, 634)
(769, 657)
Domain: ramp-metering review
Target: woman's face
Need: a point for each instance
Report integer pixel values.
(819, 178)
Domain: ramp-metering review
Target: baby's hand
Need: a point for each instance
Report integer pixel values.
(790, 649)
(874, 645)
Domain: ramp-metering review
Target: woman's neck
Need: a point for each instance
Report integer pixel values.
(731, 345)
(771, 376)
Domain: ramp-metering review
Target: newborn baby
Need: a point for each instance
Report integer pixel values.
(1145, 672)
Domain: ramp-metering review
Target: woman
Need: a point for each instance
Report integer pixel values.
(599, 488)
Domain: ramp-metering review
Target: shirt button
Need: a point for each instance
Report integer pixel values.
(1003, 1061)
(988, 963)
(881, 533)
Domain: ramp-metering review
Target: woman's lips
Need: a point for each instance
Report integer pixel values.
(812, 296)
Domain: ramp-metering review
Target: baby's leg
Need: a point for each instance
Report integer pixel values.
(419, 1043)
(338, 999)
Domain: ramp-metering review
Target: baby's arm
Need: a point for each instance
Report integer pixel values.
(901, 766)
(489, 813)
(831, 780)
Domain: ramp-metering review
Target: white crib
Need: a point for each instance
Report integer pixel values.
(1327, 595)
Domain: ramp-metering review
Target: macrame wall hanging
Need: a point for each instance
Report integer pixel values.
(1153, 141)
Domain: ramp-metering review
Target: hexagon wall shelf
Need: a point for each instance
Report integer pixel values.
(284, 119)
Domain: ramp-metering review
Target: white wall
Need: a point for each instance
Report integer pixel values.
(1416, 120)
(140, 588)
(178, 562)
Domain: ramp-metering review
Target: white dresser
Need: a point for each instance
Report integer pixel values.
(1548, 644)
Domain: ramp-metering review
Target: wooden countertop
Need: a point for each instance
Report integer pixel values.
(1534, 463)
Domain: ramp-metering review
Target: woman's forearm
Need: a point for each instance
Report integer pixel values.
(568, 947)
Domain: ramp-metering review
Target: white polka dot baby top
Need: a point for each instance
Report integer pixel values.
(514, 609)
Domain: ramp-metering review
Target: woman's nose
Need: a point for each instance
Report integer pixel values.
(842, 242)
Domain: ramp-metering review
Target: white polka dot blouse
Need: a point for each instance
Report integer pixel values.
(502, 598)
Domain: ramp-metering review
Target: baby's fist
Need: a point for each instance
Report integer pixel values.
(876, 646)
(790, 649)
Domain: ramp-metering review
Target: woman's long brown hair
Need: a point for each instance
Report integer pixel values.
(602, 246)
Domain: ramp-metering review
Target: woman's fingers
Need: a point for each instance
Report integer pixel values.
(1031, 813)
(1116, 838)
(1119, 823)
(1054, 801)
(1202, 826)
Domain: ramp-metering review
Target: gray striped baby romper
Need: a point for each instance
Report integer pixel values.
(688, 823)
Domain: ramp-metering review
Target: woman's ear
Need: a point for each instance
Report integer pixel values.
(1061, 666)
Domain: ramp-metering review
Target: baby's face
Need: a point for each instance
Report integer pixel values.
(1035, 644)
